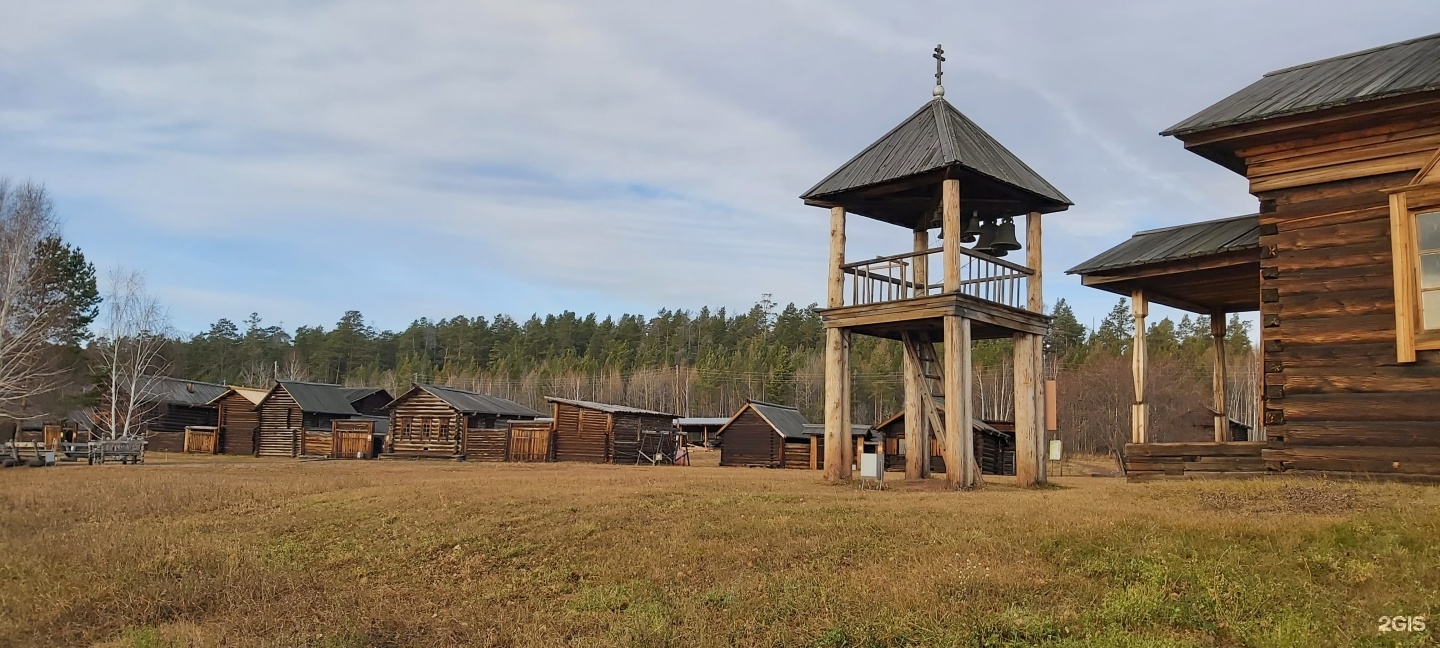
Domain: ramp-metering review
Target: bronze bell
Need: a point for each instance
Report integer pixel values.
(972, 229)
(1005, 240)
(987, 238)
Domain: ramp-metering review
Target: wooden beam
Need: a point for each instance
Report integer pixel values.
(1222, 406)
(917, 428)
(959, 426)
(1402, 264)
(950, 233)
(922, 263)
(1139, 417)
(837, 405)
(1035, 296)
(1028, 435)
(814, 452)
(835, 296)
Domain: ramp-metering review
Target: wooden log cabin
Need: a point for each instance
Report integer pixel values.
(1345, 270)
(767, 435)
(169, 405)
(434, 421)
(238, 420)
(296, 417)
(938, 169)
(601, 432)
(994, 448)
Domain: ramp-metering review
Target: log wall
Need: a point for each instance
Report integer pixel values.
(1335, 397)
(795, 455)
(280, 423)
(239, 424)
(423, 425)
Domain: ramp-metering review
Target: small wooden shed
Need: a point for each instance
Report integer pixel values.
(767, 435)
(601, 432)
(296, 417)
(434, 421)
(994, 446)
(238, 419)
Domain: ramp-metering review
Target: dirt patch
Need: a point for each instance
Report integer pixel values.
(1311, 498)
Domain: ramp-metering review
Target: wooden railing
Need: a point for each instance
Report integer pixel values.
(919, 274)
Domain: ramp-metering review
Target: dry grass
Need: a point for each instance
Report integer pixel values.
(252, 552)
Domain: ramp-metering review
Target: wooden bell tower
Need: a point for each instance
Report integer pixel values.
(937, 169)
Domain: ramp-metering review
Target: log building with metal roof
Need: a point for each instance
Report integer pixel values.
(1343, 155)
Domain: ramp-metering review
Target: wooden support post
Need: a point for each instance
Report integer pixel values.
(950, 233)
(959, 425)
(922, 262)
(837, 404)
(835, 296)
(917, 423)
(1222, 400)
(814, 452)
(1139, 417)
(859, 451)
(1406, 297)
(1035, 303)
(1029, 456)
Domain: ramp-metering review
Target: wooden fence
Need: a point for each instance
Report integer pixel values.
(199, 439)
(529, 444)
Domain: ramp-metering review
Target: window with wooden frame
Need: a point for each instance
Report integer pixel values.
(1415, 245)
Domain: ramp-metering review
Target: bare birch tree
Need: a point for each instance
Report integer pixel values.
(136, 329)
(27, 367)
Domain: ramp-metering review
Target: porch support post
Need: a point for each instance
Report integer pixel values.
(1222, 400)
(959, 417)
(917, 424)
(1139, 415)
(950, 232)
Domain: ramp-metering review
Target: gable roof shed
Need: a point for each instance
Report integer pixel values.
(468, 402)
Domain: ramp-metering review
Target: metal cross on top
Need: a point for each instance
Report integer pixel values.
(939, 59)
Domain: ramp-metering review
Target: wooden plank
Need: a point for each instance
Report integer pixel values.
(1199, 449)
(1406, 300)
(1343, 171)
(1360, 433)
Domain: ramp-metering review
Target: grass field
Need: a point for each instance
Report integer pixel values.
(239, 552)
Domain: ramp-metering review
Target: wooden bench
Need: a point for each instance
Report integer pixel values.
(126, 451)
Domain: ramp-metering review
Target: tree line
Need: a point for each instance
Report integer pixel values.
(708, 362)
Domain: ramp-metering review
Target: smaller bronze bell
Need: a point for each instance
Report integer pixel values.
(972, 229)
(1005, 240)
(987, 238)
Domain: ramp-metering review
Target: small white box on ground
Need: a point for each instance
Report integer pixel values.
(870, 467)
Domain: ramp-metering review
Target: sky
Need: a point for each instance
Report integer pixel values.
(440, 158)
